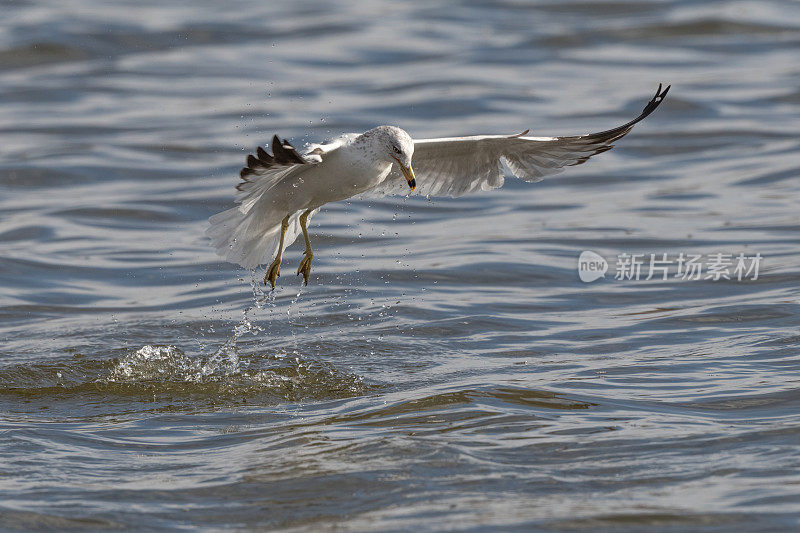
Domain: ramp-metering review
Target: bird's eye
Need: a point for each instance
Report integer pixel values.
(396, 149)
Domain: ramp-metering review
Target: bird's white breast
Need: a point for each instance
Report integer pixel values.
(344, 173)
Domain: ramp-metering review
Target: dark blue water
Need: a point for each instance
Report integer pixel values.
(445, 368)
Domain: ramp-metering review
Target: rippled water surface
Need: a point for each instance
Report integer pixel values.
(445, 368)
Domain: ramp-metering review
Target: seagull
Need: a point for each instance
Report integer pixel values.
(281, 191)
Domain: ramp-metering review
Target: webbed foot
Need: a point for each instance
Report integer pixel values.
(305, 266)
(273, 272)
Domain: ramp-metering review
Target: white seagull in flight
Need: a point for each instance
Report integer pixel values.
(280, 192)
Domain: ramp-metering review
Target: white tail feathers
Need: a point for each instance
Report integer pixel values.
(249, 233)
(251, 239)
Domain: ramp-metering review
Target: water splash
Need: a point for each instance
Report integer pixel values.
(225, 360)
(165, 370)
(168, 363)
(156, 363)
(261, 299)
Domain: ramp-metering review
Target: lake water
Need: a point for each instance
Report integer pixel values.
(445, 368)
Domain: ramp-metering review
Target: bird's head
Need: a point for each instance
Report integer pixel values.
(398, 147)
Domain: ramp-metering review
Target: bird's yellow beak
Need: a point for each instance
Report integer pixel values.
(408, 172)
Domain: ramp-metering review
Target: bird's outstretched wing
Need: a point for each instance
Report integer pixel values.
(457, 165)
(283, 155)
(264, 170)
(249, 232)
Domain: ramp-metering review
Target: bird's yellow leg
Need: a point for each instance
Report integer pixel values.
(305, 264)
(275, 268)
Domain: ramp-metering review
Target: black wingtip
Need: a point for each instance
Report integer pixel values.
(654, 102)
(620, 131)
(277, 148)
(263, 156)
(283, 153)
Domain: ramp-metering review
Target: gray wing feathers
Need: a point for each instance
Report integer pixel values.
(459, 165)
